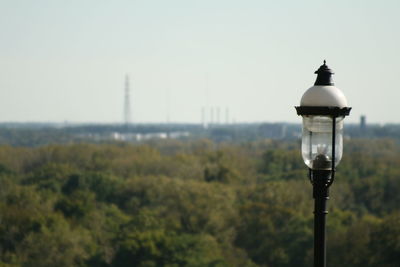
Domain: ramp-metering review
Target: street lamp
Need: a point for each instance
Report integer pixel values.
(323, 108)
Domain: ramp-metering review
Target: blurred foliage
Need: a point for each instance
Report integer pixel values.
(194, 203)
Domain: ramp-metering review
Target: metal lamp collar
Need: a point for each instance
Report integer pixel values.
(323, 111)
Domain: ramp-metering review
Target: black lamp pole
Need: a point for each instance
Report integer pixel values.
(321, 195)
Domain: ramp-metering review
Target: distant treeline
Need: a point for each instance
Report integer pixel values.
(31, 134)
(194, 203)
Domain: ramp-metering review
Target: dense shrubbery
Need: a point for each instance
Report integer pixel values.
(193, 203)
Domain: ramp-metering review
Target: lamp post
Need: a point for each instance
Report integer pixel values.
(323, 108)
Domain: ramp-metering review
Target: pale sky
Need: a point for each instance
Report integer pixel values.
(66, 60)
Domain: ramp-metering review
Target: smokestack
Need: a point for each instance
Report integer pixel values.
(211, 115)
(204, 117)
(127, 103)
(227, 115)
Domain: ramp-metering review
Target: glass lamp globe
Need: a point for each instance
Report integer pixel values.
(316, 145)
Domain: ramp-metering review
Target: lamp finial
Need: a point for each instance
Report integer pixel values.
(324, 75)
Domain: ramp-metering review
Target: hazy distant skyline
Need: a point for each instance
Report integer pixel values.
(67, 60)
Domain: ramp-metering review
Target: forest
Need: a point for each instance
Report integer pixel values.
(194, 203)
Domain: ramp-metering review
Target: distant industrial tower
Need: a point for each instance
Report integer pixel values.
(363, 123)
(127, 102)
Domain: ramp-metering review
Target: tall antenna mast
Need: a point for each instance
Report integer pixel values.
(127, 102)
